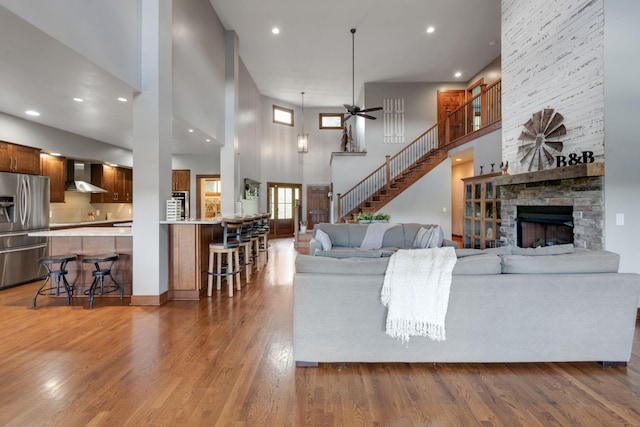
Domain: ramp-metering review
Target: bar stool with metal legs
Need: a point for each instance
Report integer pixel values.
(225, 257)
(56, 271)
(246, 244)
(261, 229)
(102, 269)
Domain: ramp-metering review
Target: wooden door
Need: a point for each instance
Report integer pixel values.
(448, 101)
(281, 198)
(317, 204)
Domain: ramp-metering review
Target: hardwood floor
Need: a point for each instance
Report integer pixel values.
(228, 362)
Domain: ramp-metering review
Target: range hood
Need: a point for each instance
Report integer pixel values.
(79, 178)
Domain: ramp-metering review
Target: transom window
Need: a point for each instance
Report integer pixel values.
(283, 116)
(331, 120)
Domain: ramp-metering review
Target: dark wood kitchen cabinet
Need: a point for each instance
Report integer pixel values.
(55, 168)
(180, 180)
(117, 181)
(19, 158)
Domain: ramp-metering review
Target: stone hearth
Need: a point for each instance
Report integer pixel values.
(580, 186)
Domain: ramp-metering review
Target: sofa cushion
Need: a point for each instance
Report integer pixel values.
(350, 253)
(338, 233)
(576, 262)
(502, 250)
(482, 264)
(544, 250)
(324, 240)
(352, 266)
(394, 237)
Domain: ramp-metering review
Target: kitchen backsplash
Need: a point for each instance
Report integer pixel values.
(77, 206)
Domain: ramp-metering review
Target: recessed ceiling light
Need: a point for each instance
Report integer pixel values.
(458, 160)
(430, 30)
(78, 99)
(32, 113)
(190, 130)
(55, 154)
(275, 30)
(121, 99)
(458, 74)
(208, 140)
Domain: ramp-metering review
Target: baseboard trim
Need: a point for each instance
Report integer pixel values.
(149, 299)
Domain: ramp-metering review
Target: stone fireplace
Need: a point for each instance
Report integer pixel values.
(560, 205)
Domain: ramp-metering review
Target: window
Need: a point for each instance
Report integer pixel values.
(283, 116)
(331, 120)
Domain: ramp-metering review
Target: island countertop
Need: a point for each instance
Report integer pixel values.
(85, 232)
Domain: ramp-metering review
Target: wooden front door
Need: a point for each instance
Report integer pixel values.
(281, 199)
(317, 204)
(448, 101)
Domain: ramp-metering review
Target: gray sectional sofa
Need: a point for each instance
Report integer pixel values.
(347, 238)
(531, 306)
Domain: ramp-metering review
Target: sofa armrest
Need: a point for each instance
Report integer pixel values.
(451, 243)
(314, 245)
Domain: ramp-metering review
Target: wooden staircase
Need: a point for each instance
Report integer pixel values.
(402, 170)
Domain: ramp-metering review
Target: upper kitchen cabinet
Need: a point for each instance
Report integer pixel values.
(19, 159)
(117, 181)
(54, 168)
(180, 180)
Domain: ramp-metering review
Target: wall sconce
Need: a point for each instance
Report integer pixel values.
(303, 138)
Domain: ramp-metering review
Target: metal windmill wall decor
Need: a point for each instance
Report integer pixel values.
(540, 139)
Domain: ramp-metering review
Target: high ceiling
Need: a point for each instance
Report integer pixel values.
(312, 53)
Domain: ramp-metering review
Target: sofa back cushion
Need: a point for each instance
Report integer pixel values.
(338, 233)
(351, 266)
(576, 262)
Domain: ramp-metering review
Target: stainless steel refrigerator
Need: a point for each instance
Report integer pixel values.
(24, 207)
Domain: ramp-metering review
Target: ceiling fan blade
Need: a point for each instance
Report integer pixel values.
(347, 118)
(366, 116)
(367, 110)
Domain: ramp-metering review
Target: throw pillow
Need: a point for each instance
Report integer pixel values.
(324, 240)
(436, 237)
(422, 238)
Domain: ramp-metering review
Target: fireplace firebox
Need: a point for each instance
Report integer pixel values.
(544, 225)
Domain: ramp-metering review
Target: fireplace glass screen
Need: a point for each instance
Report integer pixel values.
(544, 225)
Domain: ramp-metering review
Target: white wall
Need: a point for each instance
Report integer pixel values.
(622, 171)
(552, 57)
(199, 66)
(106, 32)
(425, 201)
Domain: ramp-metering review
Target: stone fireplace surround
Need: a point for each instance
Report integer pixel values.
(580, 186)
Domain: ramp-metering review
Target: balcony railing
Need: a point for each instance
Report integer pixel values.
(466, 122)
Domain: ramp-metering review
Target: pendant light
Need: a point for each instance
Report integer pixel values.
(303, 138)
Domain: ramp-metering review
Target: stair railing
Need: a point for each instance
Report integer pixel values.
(479, 112)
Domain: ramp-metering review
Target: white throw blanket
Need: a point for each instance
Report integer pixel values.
(416, 292)
(375, 234)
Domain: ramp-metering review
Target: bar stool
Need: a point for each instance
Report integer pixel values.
(102, 265)
(55, 274)
(246, 243)
(261, 229)
(225, 256)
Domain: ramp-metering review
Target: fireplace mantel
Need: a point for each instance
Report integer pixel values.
(565, 172)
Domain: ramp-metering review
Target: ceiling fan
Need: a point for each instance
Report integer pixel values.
(353, 109)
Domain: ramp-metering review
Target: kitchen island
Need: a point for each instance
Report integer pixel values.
(85, 241)
(189, 256)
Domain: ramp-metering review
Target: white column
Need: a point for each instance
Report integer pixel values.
(228, 157)
(152, 112)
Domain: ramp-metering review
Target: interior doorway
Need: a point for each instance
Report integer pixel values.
(448, 101)
(317, 204)
(281, 199)
(208, 196)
